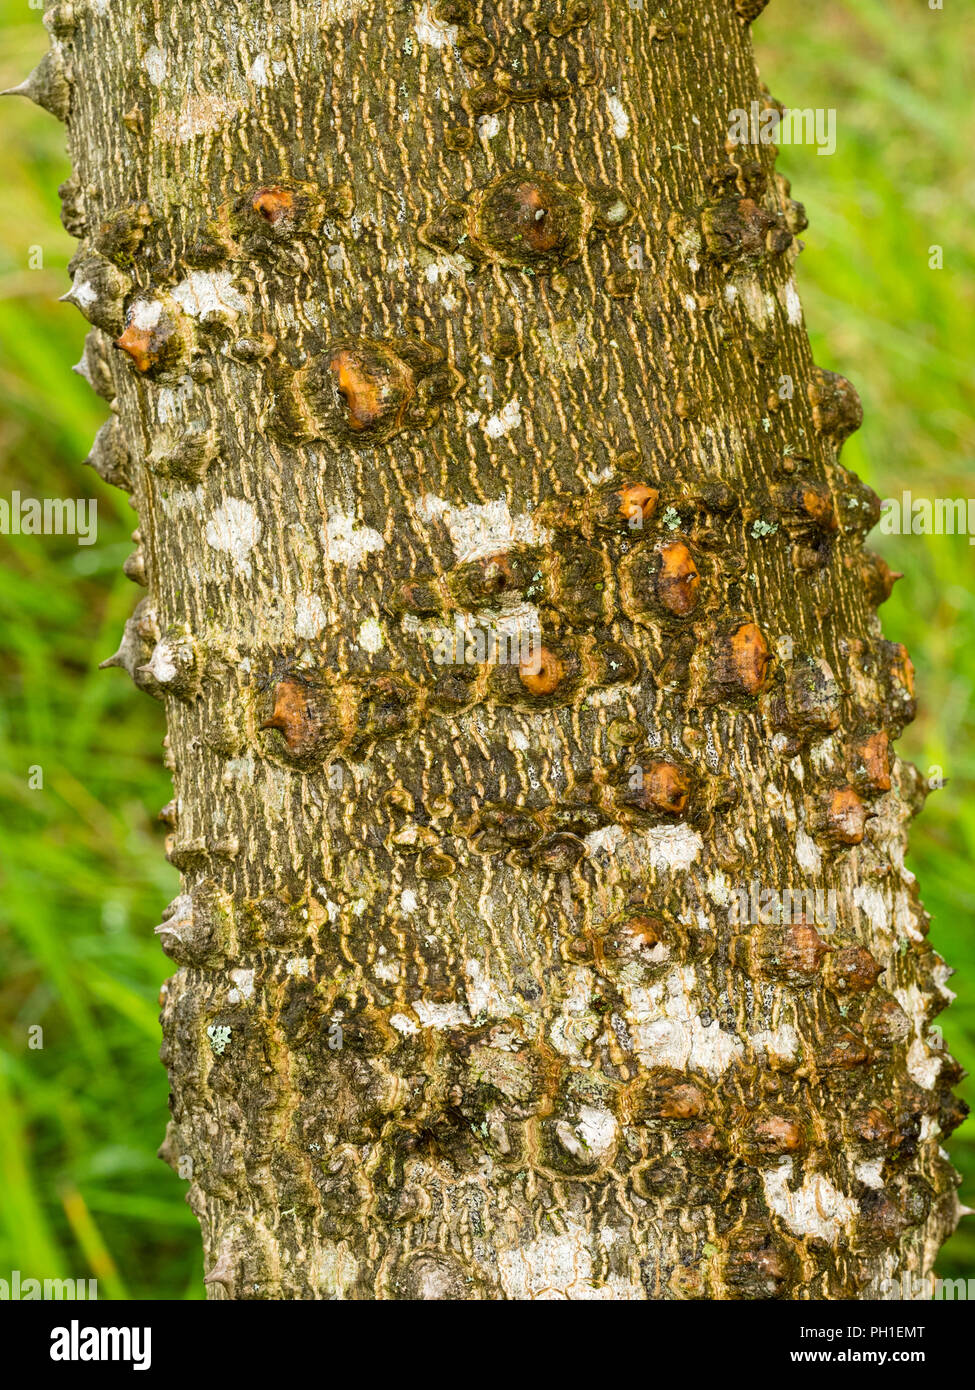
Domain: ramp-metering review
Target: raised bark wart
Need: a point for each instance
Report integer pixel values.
(837, 411)
(559, 19)
(365, 390)
(793, 952)
(527, 219)
(749, 9)
(99, 290)
(742, 660)
(852, 970)
(878, 578)
(155, 335)
(375, 384)
(661, 788)
(804, 503)
(677, 579)
(840, 817)
(48, 86)
(768, 1135)
(273, 204)
(637, 503)
(870, 762)
(302, 716)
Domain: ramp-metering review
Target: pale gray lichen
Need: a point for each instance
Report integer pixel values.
(219, 1036)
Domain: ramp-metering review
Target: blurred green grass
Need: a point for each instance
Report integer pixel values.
(82, 873)
(902, 180)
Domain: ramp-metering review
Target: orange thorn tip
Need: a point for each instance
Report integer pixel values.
(273, 204)
(541, 672)
(637, 502)
(137, 342)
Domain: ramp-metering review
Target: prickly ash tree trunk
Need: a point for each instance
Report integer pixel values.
(466, 318)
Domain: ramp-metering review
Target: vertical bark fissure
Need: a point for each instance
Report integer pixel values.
(511, 611)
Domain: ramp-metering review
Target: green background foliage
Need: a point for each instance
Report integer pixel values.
(82, 873)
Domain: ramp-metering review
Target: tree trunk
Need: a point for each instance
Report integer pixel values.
(544, 929)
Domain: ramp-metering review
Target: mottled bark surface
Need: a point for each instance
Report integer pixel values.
(466, 317)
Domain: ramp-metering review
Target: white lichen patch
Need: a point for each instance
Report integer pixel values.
(403, 1024)
(407, 900)
(755, 300)
(258, 70)
(334, 11)
(235, 530)
(668, 1030)
(83, 293)
(873, 904)
(155, 65)
(780, 1044)
(508, 418)
(483, 995)
(371, 636)
(592, 1136)
(577, 1023)
(607, 839)
(905, 917)
(790, 299)
(239, 770)
(673, 847)
(298, 965)
(688, 242)
(481, 529)
(199, 114)
(488, 127)
(923, 1065)
(560, 1265)
(387, 970)
(310, 615)
(173, 403)
(686, 1043)
(180, 918)
(447, 265)
(219, 1036)
(930, 1129)
(618, 114)
(870, 1171)
(210, 296)
(825, 756)
(347, 543)
(941, 974)
(815, 1208)
(243, 986)
(808, 856)
(145, 313)
(432, 32)
(718, 889)
(780, 805)
(435, 1015)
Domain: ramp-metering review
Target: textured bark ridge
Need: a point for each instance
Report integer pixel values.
(464, 318)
